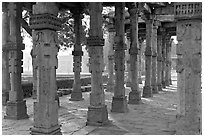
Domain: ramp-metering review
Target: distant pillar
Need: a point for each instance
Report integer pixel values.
(134, 95)
(159, 61)
(111, 38)
(170, 61)
(167, 61)
(76, 94)
(45, 23)
(5, 61)
(119, 102)
(189, 33)
(97, 111)
(147, 90)
(127, 59)
(16, 106)
(154, 58)
(163, 58)
(140, 41)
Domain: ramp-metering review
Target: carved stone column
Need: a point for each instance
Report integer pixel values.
(140, 41)
(147, 90)
(127, 59)
(167, 61)
(34, 92)
(16, 106)
(45, 23)
(163, 57)
(111, 37)
(170, 61)
(119, 102)
(97, 111)
(189, 26)
(159, 61)
(134, 95)
(154, 59)
(5, 61)
(76, 94)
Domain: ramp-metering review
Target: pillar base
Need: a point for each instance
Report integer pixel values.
(147, 92)
(163, 84)
(154, 89)
(16, 110)
(119, 104)
(46, 131)
(76, 96)
(170, 82)
(128, 84)
(167, 83)
(110, 88)
(5, 98)
(97, 115)
(134, 98)
(159, 87)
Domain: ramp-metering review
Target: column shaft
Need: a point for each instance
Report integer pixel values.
(119, 102)
(140, 62)
(159, 62)
(16, 106)
(76, 94)
(163, 59)
(147, 90)
(45, 47)
(97, 111)
(167, 61)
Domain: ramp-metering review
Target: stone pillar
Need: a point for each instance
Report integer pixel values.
(119, 102)
(167, 61)
(16, 106)
(134, 95)
(163, 58)
(45, 23)
(154, 59)
(5, 61)
(159, 61)
(170, 61)
(147, 90)
(34, 92)
(76, 94)
(111, 37)
(127, 59)
(97, 111)
(189, 26)
(140, 41)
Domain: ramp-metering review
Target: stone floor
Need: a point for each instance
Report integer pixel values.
(155, 116)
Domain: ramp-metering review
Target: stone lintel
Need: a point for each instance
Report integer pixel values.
(97, 115)
(119, 104)
(147, 92)
(16, 110)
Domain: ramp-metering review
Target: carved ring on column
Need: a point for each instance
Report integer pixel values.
(45, 21)
(95, 41)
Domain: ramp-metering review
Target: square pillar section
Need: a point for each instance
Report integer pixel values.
(147, 90)
(97, 111)
(5, 61)
(76, 94)
(45, 23)
(119, 102)
(189, 32)
(134, 95)
(16, 106)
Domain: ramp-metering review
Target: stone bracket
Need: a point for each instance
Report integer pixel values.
(95, 41)
(77, 53)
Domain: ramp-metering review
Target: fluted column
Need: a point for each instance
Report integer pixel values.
(189, 33)
(147, 90)
(45, 23)
(97, 111)
(5, 61)
(134, 95)
(111, 37)
(76, 94)
(159, 61)
(16, 106)
(119, 102)
(154, 59)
